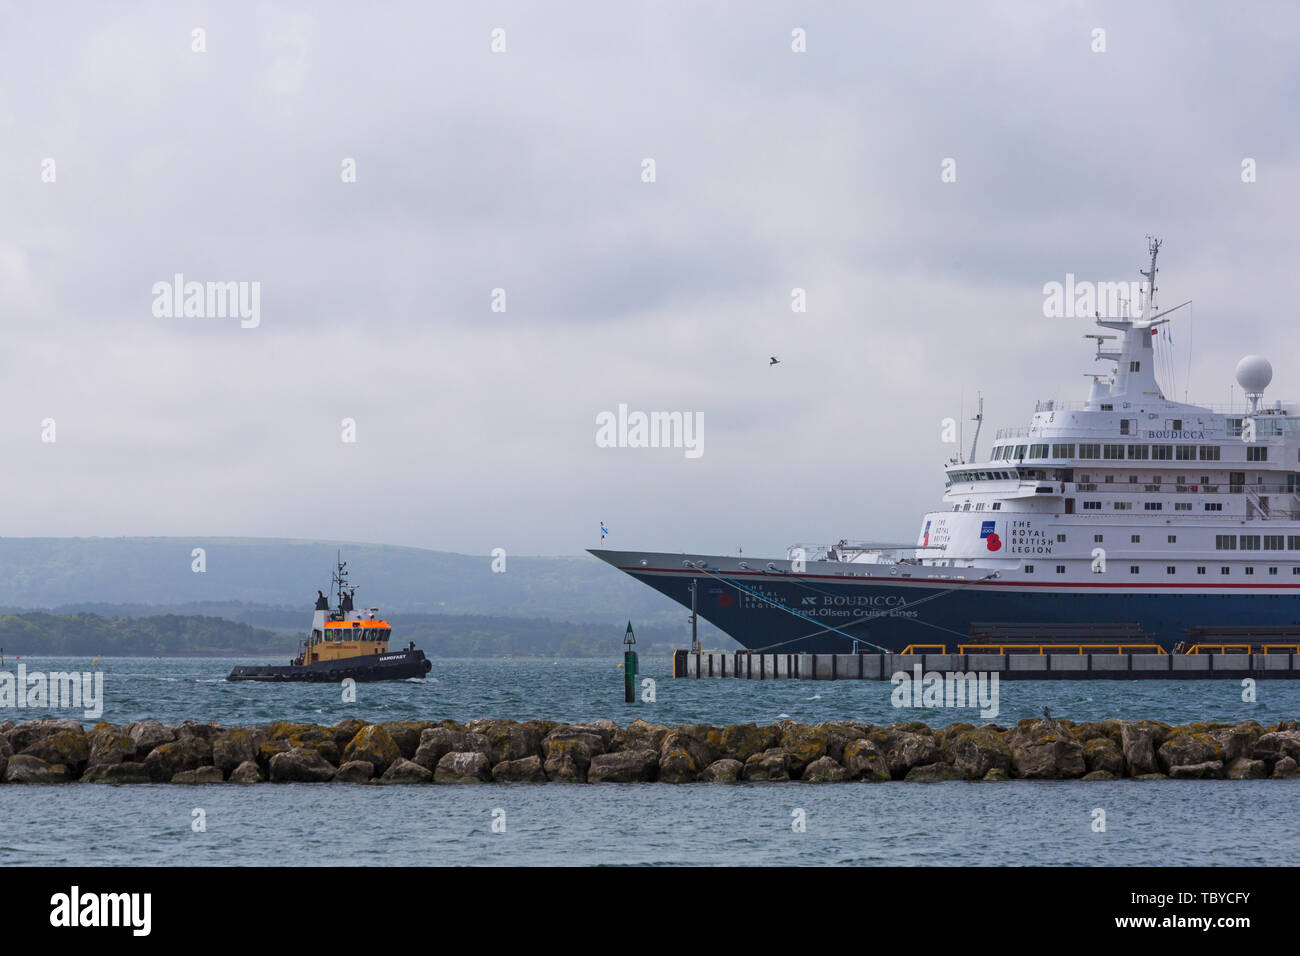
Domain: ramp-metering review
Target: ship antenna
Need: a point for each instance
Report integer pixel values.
(979, 420)
(340, 576)
(1153, 246)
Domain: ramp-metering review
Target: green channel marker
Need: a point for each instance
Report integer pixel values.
(629, 666)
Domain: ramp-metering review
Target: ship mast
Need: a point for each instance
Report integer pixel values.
(1135, 378)
(979, 420)
(340, 579)
(1153, 246)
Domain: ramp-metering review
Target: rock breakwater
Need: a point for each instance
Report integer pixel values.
(541, 751)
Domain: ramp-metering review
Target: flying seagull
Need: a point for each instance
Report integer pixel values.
(774, 361)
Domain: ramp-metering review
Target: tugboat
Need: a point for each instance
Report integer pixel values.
(343, 643)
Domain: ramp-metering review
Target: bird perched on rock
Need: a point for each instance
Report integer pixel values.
(1047, 713)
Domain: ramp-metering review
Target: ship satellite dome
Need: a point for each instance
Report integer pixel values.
(1254, 373)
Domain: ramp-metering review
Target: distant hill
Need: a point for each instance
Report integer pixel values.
(175, 635)
(449, 604)
(49, 572)
(88, 635)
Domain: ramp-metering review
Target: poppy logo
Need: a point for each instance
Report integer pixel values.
(725, 600)
(993, 542)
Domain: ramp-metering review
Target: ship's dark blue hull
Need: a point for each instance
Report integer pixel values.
(830, 614)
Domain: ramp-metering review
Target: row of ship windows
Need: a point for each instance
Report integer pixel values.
(1223, 542)
(1252, 542)
(1124, 452)
(1169, 569)
(1235, 479)
(1096, 506)
(1152, 506)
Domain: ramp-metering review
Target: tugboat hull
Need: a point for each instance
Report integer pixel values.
(398, 665)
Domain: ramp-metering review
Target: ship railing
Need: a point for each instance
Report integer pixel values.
(1243, 648)
(1183, 411)
(850, 551)
(1116, 487)
(1061, 648)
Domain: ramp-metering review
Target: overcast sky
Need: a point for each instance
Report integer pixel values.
(523, 170)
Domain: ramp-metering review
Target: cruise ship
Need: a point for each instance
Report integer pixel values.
(1128, 510)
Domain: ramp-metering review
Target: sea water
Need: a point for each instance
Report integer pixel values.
(956, 823)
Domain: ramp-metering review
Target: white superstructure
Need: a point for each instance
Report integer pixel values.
(1130, 482)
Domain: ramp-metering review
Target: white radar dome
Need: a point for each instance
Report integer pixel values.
(1253, 374)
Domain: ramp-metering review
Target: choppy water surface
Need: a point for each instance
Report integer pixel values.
(1147, 823)
(959, 824)
(175, 689)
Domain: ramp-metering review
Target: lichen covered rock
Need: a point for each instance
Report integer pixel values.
(976, 751)
(639, 735)
(197, 776)
(1139, 740)
(682, 757)
(626, 766)
(301, 765)
(908, 749)
(21, 736)
(185, 753)
(148, 734)
(742, 741)
(522, 770)
(804, 744)
(1244, 768)
(507, 740)
(579, 745)
(1206, 770)
(723, 770)
(247, 772)
(235, 746)
(937, 772)
(355, 771)
(1103, 754)
(771, 764)
(24, 768)
(437, 742)
(863, 760)
(463, 767)
(405, 771)
(68, 747)
(825, 770)
(109, 745)
(130, 771)
(406, 734)
(284, 735)
(1045, 750)
(376, 746)
(1186, 748)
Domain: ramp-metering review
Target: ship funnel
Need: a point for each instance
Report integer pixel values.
(1099, 390)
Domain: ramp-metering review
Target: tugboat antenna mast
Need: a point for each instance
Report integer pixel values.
(340, 578)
